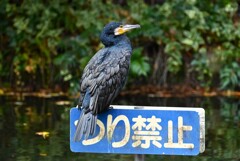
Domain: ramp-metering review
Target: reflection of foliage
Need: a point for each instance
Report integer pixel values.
(48, 43)
(230, 110)
(19, 123)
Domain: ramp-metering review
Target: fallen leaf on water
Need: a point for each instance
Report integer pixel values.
(43, 154)
(44, 134)
(61, 103)
(1, 91)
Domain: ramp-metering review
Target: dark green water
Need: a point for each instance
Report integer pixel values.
(21, 118)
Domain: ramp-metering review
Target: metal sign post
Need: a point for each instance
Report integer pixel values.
(144, 130)
(139, 157)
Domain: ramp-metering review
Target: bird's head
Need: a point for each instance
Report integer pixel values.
(114, 30)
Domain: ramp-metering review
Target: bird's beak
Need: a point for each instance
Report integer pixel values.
(122, 29)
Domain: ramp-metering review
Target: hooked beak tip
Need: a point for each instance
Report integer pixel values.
(129, 27)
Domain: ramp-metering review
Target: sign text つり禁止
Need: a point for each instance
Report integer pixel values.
(159, 130)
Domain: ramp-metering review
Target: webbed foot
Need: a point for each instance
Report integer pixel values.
(79, 107)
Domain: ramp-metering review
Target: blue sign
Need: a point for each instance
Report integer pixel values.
(149, 130)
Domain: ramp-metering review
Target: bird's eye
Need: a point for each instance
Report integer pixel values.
(121, 26)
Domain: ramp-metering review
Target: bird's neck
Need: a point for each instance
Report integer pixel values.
(111, 40)
(124, 43)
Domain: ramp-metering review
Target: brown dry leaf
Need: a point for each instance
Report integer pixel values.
(44, 134)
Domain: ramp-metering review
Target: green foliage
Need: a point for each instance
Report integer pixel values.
(50, 42)
(139, 64)
(206, 33)
(174, 61)
(230, 75)
(202, 66)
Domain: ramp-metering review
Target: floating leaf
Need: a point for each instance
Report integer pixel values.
(44, 134)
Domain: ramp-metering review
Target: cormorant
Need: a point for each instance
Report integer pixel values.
(103, 77)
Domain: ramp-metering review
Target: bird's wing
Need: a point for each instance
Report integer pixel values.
(104, 76)
(89, 70)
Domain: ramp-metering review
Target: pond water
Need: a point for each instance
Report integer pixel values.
(33, 128)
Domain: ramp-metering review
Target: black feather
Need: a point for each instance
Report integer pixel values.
(102, 79)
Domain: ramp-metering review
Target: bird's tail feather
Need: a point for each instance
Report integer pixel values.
(86, 125)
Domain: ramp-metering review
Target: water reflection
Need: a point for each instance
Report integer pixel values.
(24, 122)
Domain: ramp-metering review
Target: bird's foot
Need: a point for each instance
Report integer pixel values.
(79, 107)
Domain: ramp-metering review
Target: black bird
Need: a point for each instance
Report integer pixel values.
(103, 77)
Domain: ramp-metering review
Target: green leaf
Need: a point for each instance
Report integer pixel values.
(187, 42)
